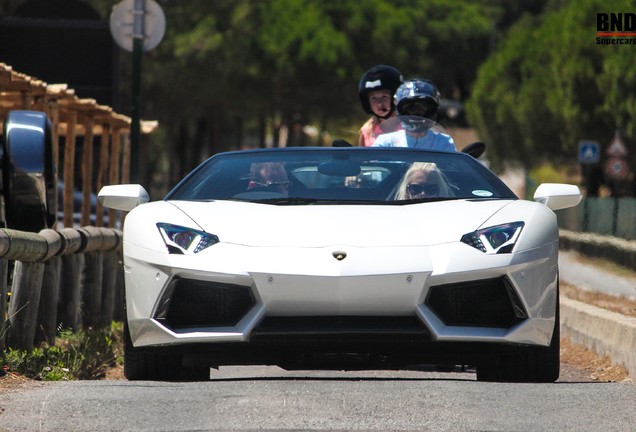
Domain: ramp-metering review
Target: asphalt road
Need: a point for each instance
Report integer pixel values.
(258, 398)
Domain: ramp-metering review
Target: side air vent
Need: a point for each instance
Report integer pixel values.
(195, 303)
(484, 303)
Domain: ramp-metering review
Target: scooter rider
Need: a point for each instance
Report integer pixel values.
(376, 90)
(417, 104)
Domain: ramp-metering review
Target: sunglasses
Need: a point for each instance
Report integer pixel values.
(418, 189)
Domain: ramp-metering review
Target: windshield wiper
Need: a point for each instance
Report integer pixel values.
(286, 200)
(326, 201)
(423, 200)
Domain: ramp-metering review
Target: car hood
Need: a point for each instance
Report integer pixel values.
(322, 225)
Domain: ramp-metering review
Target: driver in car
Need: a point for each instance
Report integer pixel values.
(422, 180)
(270, 176)
(417, 103)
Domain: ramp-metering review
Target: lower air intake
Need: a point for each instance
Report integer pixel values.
(484, 303)
(195, 303)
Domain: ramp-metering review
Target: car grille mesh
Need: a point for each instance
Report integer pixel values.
(488, 303)
(206, 304)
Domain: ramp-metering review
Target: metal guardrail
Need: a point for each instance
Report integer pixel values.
(71, 278)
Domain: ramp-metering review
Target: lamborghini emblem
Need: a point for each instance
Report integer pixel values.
(339, 255)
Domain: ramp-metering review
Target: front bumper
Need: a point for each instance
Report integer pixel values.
(373, 294)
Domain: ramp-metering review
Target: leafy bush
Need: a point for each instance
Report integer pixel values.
(85, 354)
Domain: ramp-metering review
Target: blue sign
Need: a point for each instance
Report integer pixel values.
(589, 152)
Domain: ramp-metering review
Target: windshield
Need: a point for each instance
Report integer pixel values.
(340, 175)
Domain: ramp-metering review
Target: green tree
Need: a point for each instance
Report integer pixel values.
(232, 73)
(239, 67)
(549, 85)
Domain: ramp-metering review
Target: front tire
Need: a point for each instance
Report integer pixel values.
(525, 364)
(141, 364)
(152, 364)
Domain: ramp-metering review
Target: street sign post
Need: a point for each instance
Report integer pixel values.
(589, 152)
(617, 168)
(137, 19)
(617, 147)
(137, 26)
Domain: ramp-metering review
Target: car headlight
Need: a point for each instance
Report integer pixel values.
(494, 240)
(185, 241)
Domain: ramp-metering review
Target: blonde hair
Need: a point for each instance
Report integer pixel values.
(402, 193)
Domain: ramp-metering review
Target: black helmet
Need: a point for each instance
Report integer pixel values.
(417, 97)
(379, 77)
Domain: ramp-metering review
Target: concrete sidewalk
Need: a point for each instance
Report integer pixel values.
(601, 330)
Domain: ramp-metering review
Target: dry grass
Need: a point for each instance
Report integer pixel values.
(13, 381)
(621, 305)
(579, 357)
(596, 368)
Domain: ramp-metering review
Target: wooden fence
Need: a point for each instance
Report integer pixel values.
(77, 123)
(69, 278)
(65, 277)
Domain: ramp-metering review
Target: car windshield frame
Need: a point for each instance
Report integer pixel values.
(335, 175)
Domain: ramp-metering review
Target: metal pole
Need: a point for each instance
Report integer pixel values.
(138, 44)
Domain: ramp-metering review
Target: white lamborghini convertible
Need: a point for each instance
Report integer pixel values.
(347, 258)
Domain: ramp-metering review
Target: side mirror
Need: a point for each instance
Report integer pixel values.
(557, 196)
(475, 149)
(123, 197)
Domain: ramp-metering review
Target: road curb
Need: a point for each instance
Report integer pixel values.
(601, 330)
